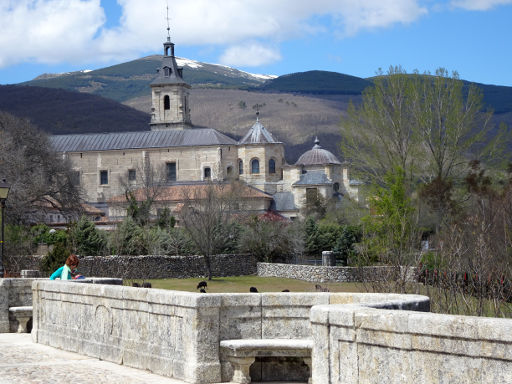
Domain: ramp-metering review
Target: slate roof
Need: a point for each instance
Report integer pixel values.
(141, 139)
(317, 156)
(258, 134)
(283, 201)
(313, 178)
(174, 74)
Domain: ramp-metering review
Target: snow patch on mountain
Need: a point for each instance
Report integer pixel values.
(187, 62)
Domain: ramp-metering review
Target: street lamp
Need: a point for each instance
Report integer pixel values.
(4, 191)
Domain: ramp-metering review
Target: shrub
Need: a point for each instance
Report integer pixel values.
(55, 259)
(128, 239)
(344, 246)
(41, 233)
(86, 240)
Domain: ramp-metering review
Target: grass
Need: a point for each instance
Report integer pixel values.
(241, 284)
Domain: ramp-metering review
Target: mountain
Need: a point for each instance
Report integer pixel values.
(317, 82)
(58, 111)
(129, 80)
(294, 107)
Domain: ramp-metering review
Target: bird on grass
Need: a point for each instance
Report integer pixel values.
(253, 289)
(319, 288)
(202, 284)
(202, 290)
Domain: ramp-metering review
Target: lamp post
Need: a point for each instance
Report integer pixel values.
(4, 191)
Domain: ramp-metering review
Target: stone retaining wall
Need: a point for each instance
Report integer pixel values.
(322, 274)
(155, 267)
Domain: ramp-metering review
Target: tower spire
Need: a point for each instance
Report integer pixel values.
(170, 107)
(168, 24)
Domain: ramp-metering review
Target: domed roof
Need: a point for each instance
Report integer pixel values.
(317, 156)
(258, 134)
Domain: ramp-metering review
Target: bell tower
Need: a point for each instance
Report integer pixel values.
(169, 94)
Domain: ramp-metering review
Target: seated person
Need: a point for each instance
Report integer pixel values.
(65, 272)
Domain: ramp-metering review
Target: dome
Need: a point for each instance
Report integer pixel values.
(317, 156)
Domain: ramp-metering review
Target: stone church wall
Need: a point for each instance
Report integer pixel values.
(190, 164)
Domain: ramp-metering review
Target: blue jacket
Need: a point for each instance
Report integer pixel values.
(63, 273)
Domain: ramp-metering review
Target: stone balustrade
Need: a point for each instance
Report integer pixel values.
(357, 337)
(177, 334)
(358, 344)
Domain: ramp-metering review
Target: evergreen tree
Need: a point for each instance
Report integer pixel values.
(86, 239)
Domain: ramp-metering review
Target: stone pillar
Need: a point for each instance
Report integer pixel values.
(328, 259)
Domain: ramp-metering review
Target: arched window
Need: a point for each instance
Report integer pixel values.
(255, 166)
(229, 171)
(167, 71)
(167, 102)
(271, 166)
(207, 173)
(336, 187)
(240, 167)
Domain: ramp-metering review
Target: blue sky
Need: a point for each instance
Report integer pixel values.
(261, 36)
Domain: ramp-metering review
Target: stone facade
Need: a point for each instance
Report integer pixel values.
(264, 179)
(120, 164)
(321, 274)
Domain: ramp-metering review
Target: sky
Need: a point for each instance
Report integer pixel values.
(355, 37)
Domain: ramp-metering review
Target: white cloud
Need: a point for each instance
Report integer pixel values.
(74, 30)
(249, 55)
(47, 31)
(479, 5)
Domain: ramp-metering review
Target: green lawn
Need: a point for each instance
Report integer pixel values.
(243, 283)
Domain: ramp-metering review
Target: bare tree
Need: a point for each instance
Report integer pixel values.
(207, 216)
(470, 272)
(40, 179)
(142, 187)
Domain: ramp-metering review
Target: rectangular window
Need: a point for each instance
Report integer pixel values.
(103, 177)
(132, 175)
(311, 195)
(75, 177)
(171, 171)
(207, 173)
